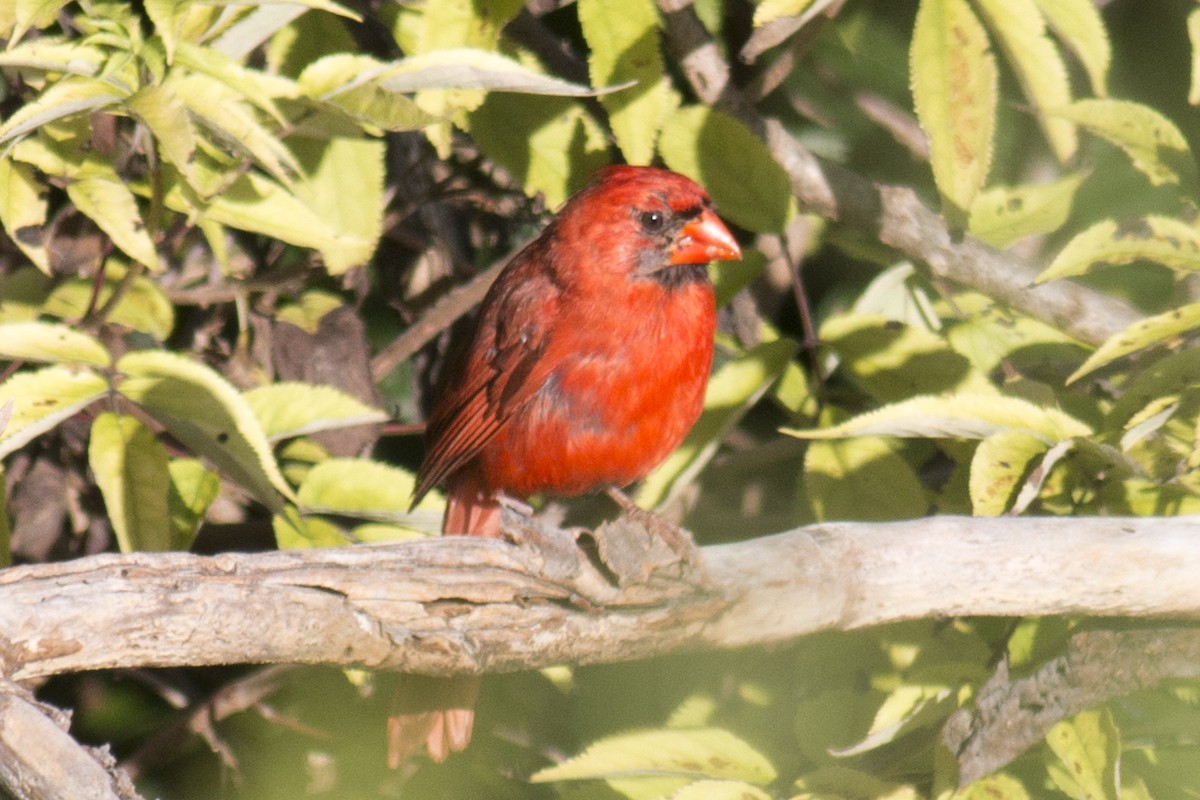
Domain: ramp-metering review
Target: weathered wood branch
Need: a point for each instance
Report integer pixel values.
(443, 606)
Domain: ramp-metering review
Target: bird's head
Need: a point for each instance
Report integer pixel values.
(648, 221)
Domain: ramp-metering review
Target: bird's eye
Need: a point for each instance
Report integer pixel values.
(652, 221)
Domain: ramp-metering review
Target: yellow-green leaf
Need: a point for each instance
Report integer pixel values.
(352, 83)
(1003, 214)
(1163, 240)
(167, 118)
(298, 409)
(207, 414)
(1079, 25)
(771, 10)
(44, 341)
(113, 207)
(23, 211)
(71, 95)
(130, 467)
(1193, 26)
(1084, 756)
(954, 79)
(623, 46)
(143, 307)
(1155, 145)
(1021, 31)
(721, 154)
(372, 491)
(999, 786)
(50, 54)
(471, 68)
(696, 753)
(720, 790)
(193, 489)
(965, 416)
(864, 478)
(1141, 334)
(294, 532)
(42, 399)
(1000, 464)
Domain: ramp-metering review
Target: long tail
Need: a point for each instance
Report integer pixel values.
(438, 714)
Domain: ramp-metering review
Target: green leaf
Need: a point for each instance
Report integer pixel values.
(695, 754)
(111, 205)
(1021, 30)
(193, 489)
(1155, 145)
(864, 478)
(1084, 756)
(207, 414)
(351, 83)
(221, 110)
(44, 398)
(1170, 376)
(998, 468)
(892, 362)
(550, 145)
(954, 87)
(209, 66)
(363, 488)
(43, 341)
(343, 185)
(961, 415)
(771, 10)
(54, 55)
(23, 211)
(298, 409)
(994, 787)
(166, 116)
(1193, 26)
(143, 307)
(623, 46)
(736, 168)
(130, 467)
(1141, 334)
(69, 96)
(258, 204)
(27, 14)
(294, 532)
(1163, 240)
(1079, 25)
(720, 790)
(1001, 215)
(471, 68)
(733, 389)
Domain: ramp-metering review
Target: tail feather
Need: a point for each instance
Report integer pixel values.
(438, 714)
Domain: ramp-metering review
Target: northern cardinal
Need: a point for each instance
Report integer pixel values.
(587, 367)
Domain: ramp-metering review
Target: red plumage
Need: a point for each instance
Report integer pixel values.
(589, 360)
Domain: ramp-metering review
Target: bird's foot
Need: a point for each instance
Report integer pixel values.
(688, 560)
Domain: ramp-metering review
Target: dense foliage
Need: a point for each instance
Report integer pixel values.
(237, 238)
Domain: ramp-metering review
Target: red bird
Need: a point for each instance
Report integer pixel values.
(587, 367)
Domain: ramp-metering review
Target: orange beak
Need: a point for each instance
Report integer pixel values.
(705, 239)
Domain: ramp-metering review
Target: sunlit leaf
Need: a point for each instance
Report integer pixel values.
(718, 152)
(1193, 26)
(863, 478)
(343, 185)
(43, 341)
(623, 47)
(42, 399)
(966, 416)
(1163, 240)
(114, 209)
(130, 466)
(167, 118)
(1003, 214)
(23, 211)
(695, 753)
(1021, 31)
(351, 82)
(1084, 756)
(1000, 464)
(207, 414)
(1141, 334)
(298, 409)
(369, 490)
(193, 489)
(1079, 24)
(771, 10)
(1153, 143)
(954, 87)
(54, 55)
(720, 790)
(69, 96)
(999, 786)
(294, 532)
(143, 306)
(470, 68)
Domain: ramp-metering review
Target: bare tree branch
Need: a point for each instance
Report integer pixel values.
(451, 605)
